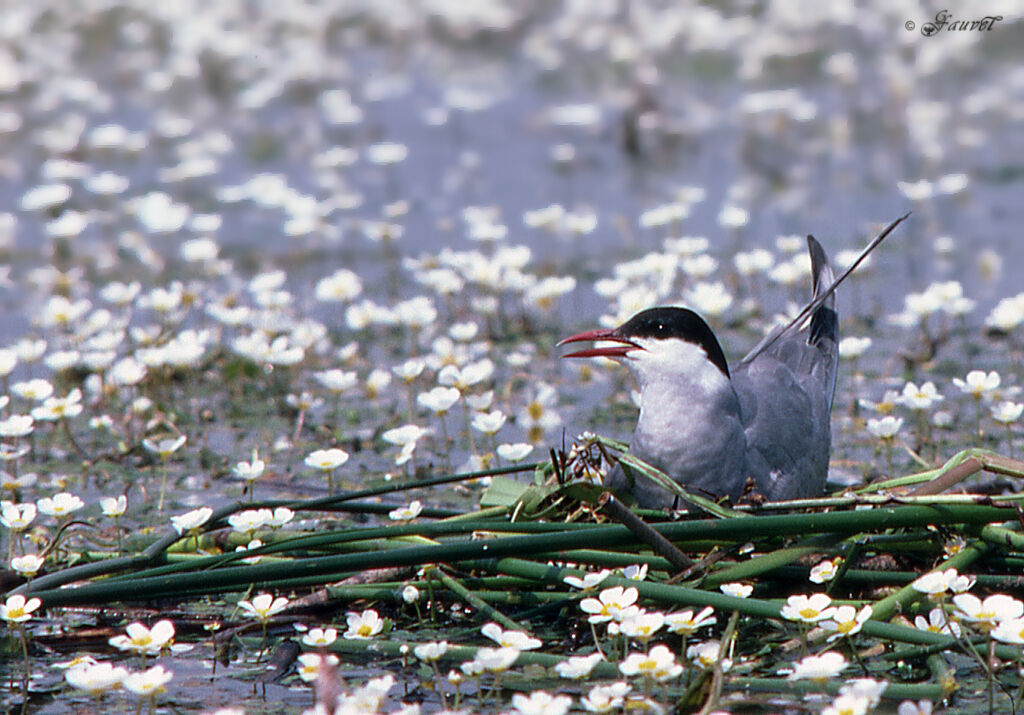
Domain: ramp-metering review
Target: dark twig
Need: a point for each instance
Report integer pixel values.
(643, 531)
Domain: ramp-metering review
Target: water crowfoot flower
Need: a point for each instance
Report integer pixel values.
(327, 460)
(27, 565)
(686, 623)
(885, 429)
(311, 664)
(659, 664)
(145, 641)
(985, 615)
(807, 609)
(1007, 413)
(163, 448)
(578, 667)
(263, 608)
(736, 589)
(979, 385)
(364, 625)
(320, 637)
(95, 678)
(115, 509)
(510, 638)
(540, 702)
(608, 603)
(249, 472)
(406, 513)
(590, 580)
(149, 683)
(705, 655)
(606, 698)
(818, 667)
(846, 621)
(825, 571)
(17, 609)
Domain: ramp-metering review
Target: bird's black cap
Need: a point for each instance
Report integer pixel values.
(679, 323)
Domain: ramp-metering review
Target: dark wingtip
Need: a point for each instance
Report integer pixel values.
(819, 261)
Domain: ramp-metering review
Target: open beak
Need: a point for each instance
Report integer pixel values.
(609, 351)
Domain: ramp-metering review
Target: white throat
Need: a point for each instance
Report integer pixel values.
(683, 396)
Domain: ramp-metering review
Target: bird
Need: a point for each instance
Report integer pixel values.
(712, 427)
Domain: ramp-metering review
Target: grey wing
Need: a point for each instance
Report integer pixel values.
(784, 400)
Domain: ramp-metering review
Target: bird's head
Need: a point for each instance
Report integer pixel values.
(658, 343)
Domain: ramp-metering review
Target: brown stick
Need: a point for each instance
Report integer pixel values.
(643, 531)
(954, 476)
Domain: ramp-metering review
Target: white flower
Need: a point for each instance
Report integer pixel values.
(148, 682)
(17, 609)
(885, 427)
(491, 660)
(589, 581)
(642, 625)
(114, 507)
(164, 448)
(320, 637)
(819, 667)
(868, 688)
(250, 471)
(540, 702)
(825, 571)
(608, 603)
(920, 398)
(909, 707)
(1007, 412)
(191, 520)
(1010, 631)
(405, 513)
(659, 663)
(263, 606)
(686, 623)
(605, 698)
(405, 435)
(430, 652)
(852, 347)
(848, 704)
(17, 426)
(736, 589)
(986, 614)
(410, 594)
(28, 564)
(937, 623)
(510, 638)
(362, 626)
(17, 517)
(439, 399)
(705, 655)
(514, 452)
(845, 621)
(143, 640)
(578, 667)
(327, 459)
(249, 520)
(934, 582)
(489, 422)
(978, 383)
(95, 679)
(310, 665)
(60, 505)
(807, 609)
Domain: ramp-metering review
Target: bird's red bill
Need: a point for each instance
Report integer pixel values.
(610, 351)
